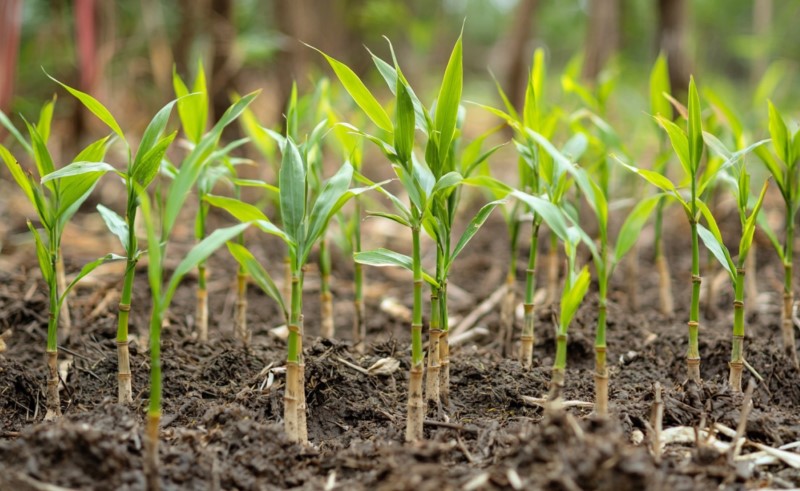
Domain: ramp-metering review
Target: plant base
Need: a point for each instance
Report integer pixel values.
(601, 394)
(735, 377)
(432, 380)
(125, 392)
(359, 326)
(151, 452)
(444, 370)
(507, 317)
(53, 399)
(291, 402)
(787, 328)
(416, 408)
(240, 323)
(526, 351)
(202, 314)
(693, 370)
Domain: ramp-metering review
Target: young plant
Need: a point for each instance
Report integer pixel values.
(786, 172)
(140, 171)
(688, 145)
(429, 186)
(56, 198)
(712, 238)
(660, 106)
(159, 230)
(304, 220)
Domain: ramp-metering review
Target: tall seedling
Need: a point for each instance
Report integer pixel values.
(688, 145)
(159, 230)
(56, 198)
(786, 172)
(140, 171)
(304, 221)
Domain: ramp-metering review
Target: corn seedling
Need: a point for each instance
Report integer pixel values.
(688, 145)
(56, 197)
(712, 238)
(786, 172)
(304, 220)
(159, 229)
(141, 170)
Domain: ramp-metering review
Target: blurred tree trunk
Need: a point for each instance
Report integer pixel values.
(602, 36)
(762, 23)
(192, 15)
(161, 58)
(521, 32)
(672, 30)
(11, 24)
(224, 65)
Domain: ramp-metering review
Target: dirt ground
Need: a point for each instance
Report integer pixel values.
(222, 424)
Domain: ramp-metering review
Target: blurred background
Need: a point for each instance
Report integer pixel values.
(123, 52)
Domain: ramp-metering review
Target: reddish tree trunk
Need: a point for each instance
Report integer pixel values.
(672, 28)
(602, 36)
(10, 24)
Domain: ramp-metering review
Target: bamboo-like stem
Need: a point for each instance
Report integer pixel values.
(750, 283)
(632, 282)
(415, 415)
(507, 310)
(737, 346)
(64, 317)
(202, 304)
(693, 353)
(432, 377)
(154, 409)
(125, 391)
(527, 337)
(665, 300)
(325, 297)
(287, 277)
(600, 368)
(552, 271)
(444, 370)
(559, 365)
(240, 323)
(53, 399)
(293, 386)
(787, 324)
(151, 452)
(359, 320)
(302, 424)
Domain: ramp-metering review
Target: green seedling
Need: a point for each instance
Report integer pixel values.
(141, 170)
(688, 145)
(739, 184)
(304, 220)
(56, 197)
(159, 230)
(786, 172)
(660, 106)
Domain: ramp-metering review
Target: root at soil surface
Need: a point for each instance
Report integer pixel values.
(53, 399)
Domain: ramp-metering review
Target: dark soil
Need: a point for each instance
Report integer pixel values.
(222, 423)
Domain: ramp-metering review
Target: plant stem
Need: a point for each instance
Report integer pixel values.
(53, 399)
(787, 324)
(64, 317)
(444, 347)
(240, 326)
(415, 403)
(154, 409)
(737, 346)
(600, 368)
(432, 385)
(125, 392)
(359, 322)
(666, 302)
(507, 307)
(293, 386)
(552, 271)
(325, 297)
(527, 338)
(560, 364)
(693, 354)
(202, 291)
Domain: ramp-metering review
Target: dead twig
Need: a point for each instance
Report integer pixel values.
(480, 311)
(747, 405)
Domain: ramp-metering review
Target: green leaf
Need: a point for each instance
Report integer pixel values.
(447, 102)
(679, 143)
(472, 228)
(633, 225)
(659, 85)
(94, 152)
(359, 92)
(193, 164)
(192, 107)
(717, 249)
(152, 136)
(146, 169)
(77, 169)
(780, 135)
(256, 271)
(571, 298)
(46, 119)
(652, 177)
(44, 162)
(244, 212)
(292, 185)
(389, 74)
(326, 203)
(550, 213)
(15, 132)
(88, 268)
(199, 253)
(95, 107)
(404, 127)
(749, 228)
(42, 254)
(775, 168)
(116, 224)
(390, 216)
(154, 265)
(384, 257)
(446, 182)
(17, 173)
(534, 91)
